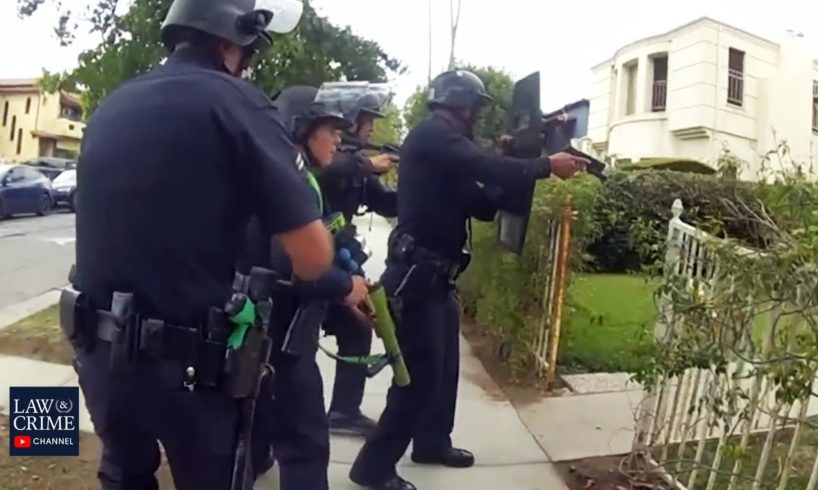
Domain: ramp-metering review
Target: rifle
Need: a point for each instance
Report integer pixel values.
(358, 145)
(249, 347)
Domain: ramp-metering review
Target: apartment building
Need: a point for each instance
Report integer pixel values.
(703, 87)
(34, 123)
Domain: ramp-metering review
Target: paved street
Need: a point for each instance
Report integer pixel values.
(35, 255)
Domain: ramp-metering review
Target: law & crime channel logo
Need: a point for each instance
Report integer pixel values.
(44, 421)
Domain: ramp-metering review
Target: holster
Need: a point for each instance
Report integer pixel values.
(302, 332)
(76, 319)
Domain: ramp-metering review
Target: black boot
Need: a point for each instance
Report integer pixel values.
(393, 483)
(452, 458)
(358, 425)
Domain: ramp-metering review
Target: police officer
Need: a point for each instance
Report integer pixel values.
(296, 422)
(173, 164)
(349, 182)
(445, 179)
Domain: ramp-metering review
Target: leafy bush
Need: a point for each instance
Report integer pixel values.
(634, 209)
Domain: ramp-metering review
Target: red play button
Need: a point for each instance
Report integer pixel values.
(22, 442)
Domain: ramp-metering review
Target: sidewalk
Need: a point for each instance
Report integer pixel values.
(507, 455)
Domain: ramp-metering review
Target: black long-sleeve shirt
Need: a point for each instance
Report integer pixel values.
(350, 182)
(445, 179)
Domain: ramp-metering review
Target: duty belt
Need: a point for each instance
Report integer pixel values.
(404, 248)
(135, 337)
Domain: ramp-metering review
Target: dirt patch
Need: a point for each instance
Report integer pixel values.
(59, 473)
(37, 337)
(521, 390)
(606, 473)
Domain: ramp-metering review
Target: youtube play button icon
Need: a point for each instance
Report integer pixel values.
(22, 442)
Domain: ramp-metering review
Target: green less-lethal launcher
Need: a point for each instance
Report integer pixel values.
(385, 329)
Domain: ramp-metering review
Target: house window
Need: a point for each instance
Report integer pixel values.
(659, 99)
(19, 140)
(5, 114)
(13, 127)
(815, 107)
(69, 112)
(630, 87)
(28, 105)
(735, 78)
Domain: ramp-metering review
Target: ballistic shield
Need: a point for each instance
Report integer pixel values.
(526, 131)
(530, 140)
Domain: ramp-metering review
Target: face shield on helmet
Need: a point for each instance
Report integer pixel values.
(280, 16)
(355, 97)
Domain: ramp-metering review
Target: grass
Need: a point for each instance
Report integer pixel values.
(609, 323)
(37, 337)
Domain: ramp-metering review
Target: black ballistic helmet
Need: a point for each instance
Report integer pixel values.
(302, 114)
(245, 23)
(458, 89)
(368, 104)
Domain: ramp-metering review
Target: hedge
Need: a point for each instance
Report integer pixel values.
(620, 225)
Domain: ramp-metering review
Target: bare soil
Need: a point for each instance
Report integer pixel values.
(521, 389)
(606, 473)
(58, 473)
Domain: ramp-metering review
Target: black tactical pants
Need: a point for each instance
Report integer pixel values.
(295, 423)
(422, 412)
(132, 413)
(354, 339)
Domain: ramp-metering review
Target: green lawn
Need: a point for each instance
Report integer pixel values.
(609, 323)
(37, 337)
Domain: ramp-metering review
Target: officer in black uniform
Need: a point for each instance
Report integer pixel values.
(295, 422)
(445, 180)
(173, 164)
(349, 182)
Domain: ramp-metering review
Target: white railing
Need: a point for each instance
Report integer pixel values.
(659, 99)
(698, 443)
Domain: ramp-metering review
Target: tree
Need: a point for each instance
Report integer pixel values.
(494, 118)
(316, 51)
(389, 129)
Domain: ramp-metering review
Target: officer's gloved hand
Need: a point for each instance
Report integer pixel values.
(383, 163)
(565, 165)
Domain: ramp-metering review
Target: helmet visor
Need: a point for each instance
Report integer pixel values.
(347, 95)
(285, 14)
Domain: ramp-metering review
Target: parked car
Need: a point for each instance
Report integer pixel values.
(52, 167)
(23, 190)
(64, 187)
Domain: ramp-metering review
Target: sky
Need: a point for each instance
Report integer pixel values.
(562, 40)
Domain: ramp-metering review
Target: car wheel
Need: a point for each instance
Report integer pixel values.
(2, 211)
(72, 202)
(45, 205)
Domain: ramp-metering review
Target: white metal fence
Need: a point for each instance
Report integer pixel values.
(685, 427)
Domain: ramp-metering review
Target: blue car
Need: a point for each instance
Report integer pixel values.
(24, 190)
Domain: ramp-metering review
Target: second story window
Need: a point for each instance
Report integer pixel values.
(630, 87)
(735, 78)
(70, 112)
(5, 114)
(659, 98)
(28, 105)
(815, 106)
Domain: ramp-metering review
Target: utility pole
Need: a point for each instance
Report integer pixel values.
(429, 80)
(455, 21)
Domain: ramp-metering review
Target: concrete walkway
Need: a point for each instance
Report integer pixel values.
(508, 456)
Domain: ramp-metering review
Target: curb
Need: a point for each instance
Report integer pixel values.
(16, 312)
